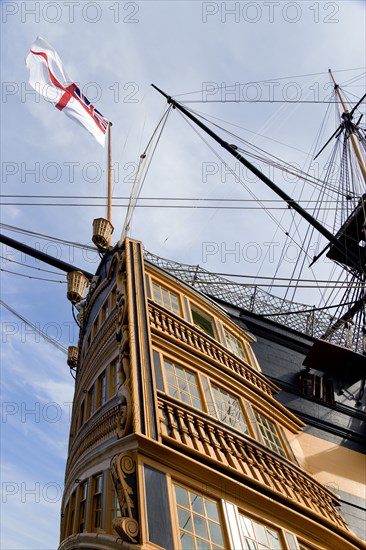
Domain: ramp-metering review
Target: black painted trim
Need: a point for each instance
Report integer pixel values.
(137, 340)
(149, 368)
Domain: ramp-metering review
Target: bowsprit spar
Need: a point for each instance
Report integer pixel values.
(339, 323)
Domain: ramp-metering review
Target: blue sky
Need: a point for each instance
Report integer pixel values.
(115, 50)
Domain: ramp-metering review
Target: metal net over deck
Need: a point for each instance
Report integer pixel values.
(297, 316)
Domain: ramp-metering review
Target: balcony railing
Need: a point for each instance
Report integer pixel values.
(187, 336)
(300, 317)
(182, 427)
(93, 433)
(95, 350)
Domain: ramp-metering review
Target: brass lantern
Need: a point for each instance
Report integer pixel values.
(102, 231)
(77, 283)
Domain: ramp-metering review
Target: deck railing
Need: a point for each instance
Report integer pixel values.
(300, 317)
(185, 335)
(181, 427)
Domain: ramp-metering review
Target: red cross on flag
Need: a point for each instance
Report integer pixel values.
(48, 76)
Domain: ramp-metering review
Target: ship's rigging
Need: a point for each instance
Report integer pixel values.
(340, 316)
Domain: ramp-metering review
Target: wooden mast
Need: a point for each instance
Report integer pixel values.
(233, 150)
(354, 141)
(109, 203)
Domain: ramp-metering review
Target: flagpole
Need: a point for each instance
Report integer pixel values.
(109, 204)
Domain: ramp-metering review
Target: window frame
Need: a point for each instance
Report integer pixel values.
(239, 401)
(237, 340)
(313, 382)
(114, 381)
(176, 506)
(263, 439)
(190, 371)
(97, 509)
(102, 387)
(208, 317)
(91, 405)
(82, 506)
(162, 288)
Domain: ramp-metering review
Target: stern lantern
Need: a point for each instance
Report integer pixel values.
(77, 284)
(102, 231)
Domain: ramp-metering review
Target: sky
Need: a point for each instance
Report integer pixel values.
(209, 53)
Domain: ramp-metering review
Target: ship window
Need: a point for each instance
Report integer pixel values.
(227, 409)
(115, 377)
(270, 434)
(95, 327)
(97, 501)
(82, 413)
(71, 515)
(235, 345)
(116, 510)
(182, 384)
(102, 389)
(165, 298)
(253, 359)
(113, 298)
(259, 536)
(203, 321)
(87, 344)
(91, 401)
(316, 387)
(198, 520)
(82, 506)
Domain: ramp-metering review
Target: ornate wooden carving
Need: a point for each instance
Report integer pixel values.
(187, 336)
(124, 421)
(91, 435)
(247, 458)
(123, 471)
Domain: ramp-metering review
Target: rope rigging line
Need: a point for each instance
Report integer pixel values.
(243, 184)
(140, 176)
(32, 276)
(174, 206)
(31, 266)
(230, 170)
(277, 163)
(39, 331)
(46, 237)
(324, 73)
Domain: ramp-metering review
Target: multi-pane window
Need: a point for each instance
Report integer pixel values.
(102, 389)
(91, 401)
(316, 387)
(203, 321)
(165, 298)
(258, 536)
(199, 521)
(182, 384)
(115, 377)
(95, 327)
(82, 414)
(97, 501)
(252, 357)
(71, 515)
(82, 506)
(270, 434)
(113, 298)
(235, 345)
(116, 510)
(227, 409)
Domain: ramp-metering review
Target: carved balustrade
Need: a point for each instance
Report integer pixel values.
(93, 433)
(187, 336)
(104, 334)
(201, 436)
